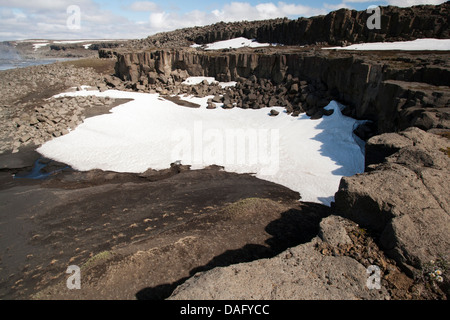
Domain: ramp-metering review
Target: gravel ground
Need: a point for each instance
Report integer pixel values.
(28, 113)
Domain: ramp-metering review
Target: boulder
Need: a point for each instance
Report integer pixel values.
(210, 105)
(381, 146)
(217, 98)
(113, 81)
(252, 97)
(227, 101)
(272, 102)
(274, 112)
(333, 231)
(294, 88)
(33, 120)
(316, 113)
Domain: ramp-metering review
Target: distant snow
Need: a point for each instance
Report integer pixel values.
(87, 43)
(232, 44)
(32, 40)
(36, 46)
(86, 40)
(227, 84)
(197, 80)
(415, 45)
(69, 41)
(308, 156)
(210, 80)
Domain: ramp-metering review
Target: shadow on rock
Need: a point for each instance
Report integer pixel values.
(294, 227)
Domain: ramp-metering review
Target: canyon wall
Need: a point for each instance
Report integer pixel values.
(339, 27)
(394, 90)
(344, 26)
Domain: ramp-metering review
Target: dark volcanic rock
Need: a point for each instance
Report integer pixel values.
(332, 266)
(339, 27)
(393, 90)
(405, 198)
(274, 112)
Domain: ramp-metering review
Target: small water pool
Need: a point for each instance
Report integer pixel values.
(36, 172)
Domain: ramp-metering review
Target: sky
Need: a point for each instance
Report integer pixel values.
(130, 19)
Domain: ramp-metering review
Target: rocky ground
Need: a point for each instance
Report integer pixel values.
(68, 218)
(209, 234)
(83, 218)
(52, 49)
(203, 234)
(29, 113)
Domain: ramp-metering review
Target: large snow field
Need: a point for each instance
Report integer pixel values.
(308, 156)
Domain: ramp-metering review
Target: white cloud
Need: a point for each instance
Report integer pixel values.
(47, 5)
(237, 11)
(158, 20)
(359, 1)
(234, 11)
(267, 10)
(145, 6)
(299, 10)
(338, 6)
(7, 14)
(48, 19)
(21, 19)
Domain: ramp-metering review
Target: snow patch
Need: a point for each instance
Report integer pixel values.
(197, 80)
(36, 46)
(415, 45)
(68, 41)
(308, 156)
(232, 44)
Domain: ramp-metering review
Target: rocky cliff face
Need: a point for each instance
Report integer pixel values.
(403, 197)
(394, 90)
(332, 266)
(336, 28)
(344, 26)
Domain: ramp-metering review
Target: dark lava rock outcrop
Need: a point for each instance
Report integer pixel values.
(394, 90)
(405, 198)
(403, 204)
(339, 27)
(332, 266)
